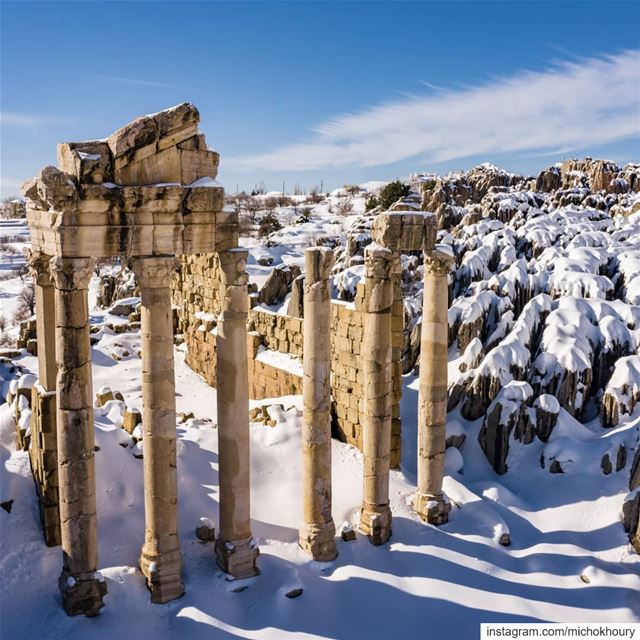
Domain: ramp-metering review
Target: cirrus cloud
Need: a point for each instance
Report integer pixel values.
(572, 105)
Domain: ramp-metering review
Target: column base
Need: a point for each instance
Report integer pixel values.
(81, 594)
(319, 541)
(238, 557)
(164, 575)
(432, 509)
(376, 524)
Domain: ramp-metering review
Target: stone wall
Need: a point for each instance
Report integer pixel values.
(43, 454)
(196, 296)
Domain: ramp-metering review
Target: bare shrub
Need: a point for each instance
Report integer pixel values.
(252, 206)
(315, 196)
(344, 206)
(26, 304)
(270, 205)
(8, 275)
(285, 201)
(6, 341)
(11, 252)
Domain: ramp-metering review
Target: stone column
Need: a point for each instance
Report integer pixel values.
(235, 548)
(375, 517)
(43, 450)
(317, 534)
(161, 557)
(81, 586)
(45, 325)
(430, 502)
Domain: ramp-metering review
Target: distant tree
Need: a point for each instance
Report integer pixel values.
(270, 205)
(268, 225)
(392, 192)
(371, 203)
(315, 196)
(252, 205)
(26, 303)
(352, 189)
(285, 201)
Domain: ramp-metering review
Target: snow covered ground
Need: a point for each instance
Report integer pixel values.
(569, 558)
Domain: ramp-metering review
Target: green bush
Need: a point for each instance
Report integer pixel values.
(268, 224)
(371, 203)
(392, 193)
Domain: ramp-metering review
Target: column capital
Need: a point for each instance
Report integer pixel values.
(154, 272)
(232, 267)
(437, 263)
(380, 263)
(318, 263)
(40, 268)
(70, 274)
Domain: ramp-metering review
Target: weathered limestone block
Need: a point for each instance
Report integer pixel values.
(88, 161)
(161, 557)
(235, 548)
(317, 534)
(132, 418)
(404, 232)
(26, 335)
(430, 503)
(81, 586)
(163, 147)
(104, 395)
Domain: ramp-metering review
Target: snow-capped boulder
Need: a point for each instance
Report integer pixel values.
(508, 414)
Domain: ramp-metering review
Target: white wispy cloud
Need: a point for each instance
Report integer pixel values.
(20, 119)
(134, 81)
(572, 105)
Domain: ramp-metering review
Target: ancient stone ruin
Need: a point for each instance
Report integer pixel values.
(148, 194)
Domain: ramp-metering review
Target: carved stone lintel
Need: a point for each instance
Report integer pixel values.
(71, 274)
(154, 272)
(437, 263)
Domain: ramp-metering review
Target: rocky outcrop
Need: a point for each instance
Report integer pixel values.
(508, 414)
(622, 391)
(278, 284)
(549, 179)
(547, 409)
(296, 302)
(115, 286)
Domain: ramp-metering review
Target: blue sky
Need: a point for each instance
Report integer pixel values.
(336, 91)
